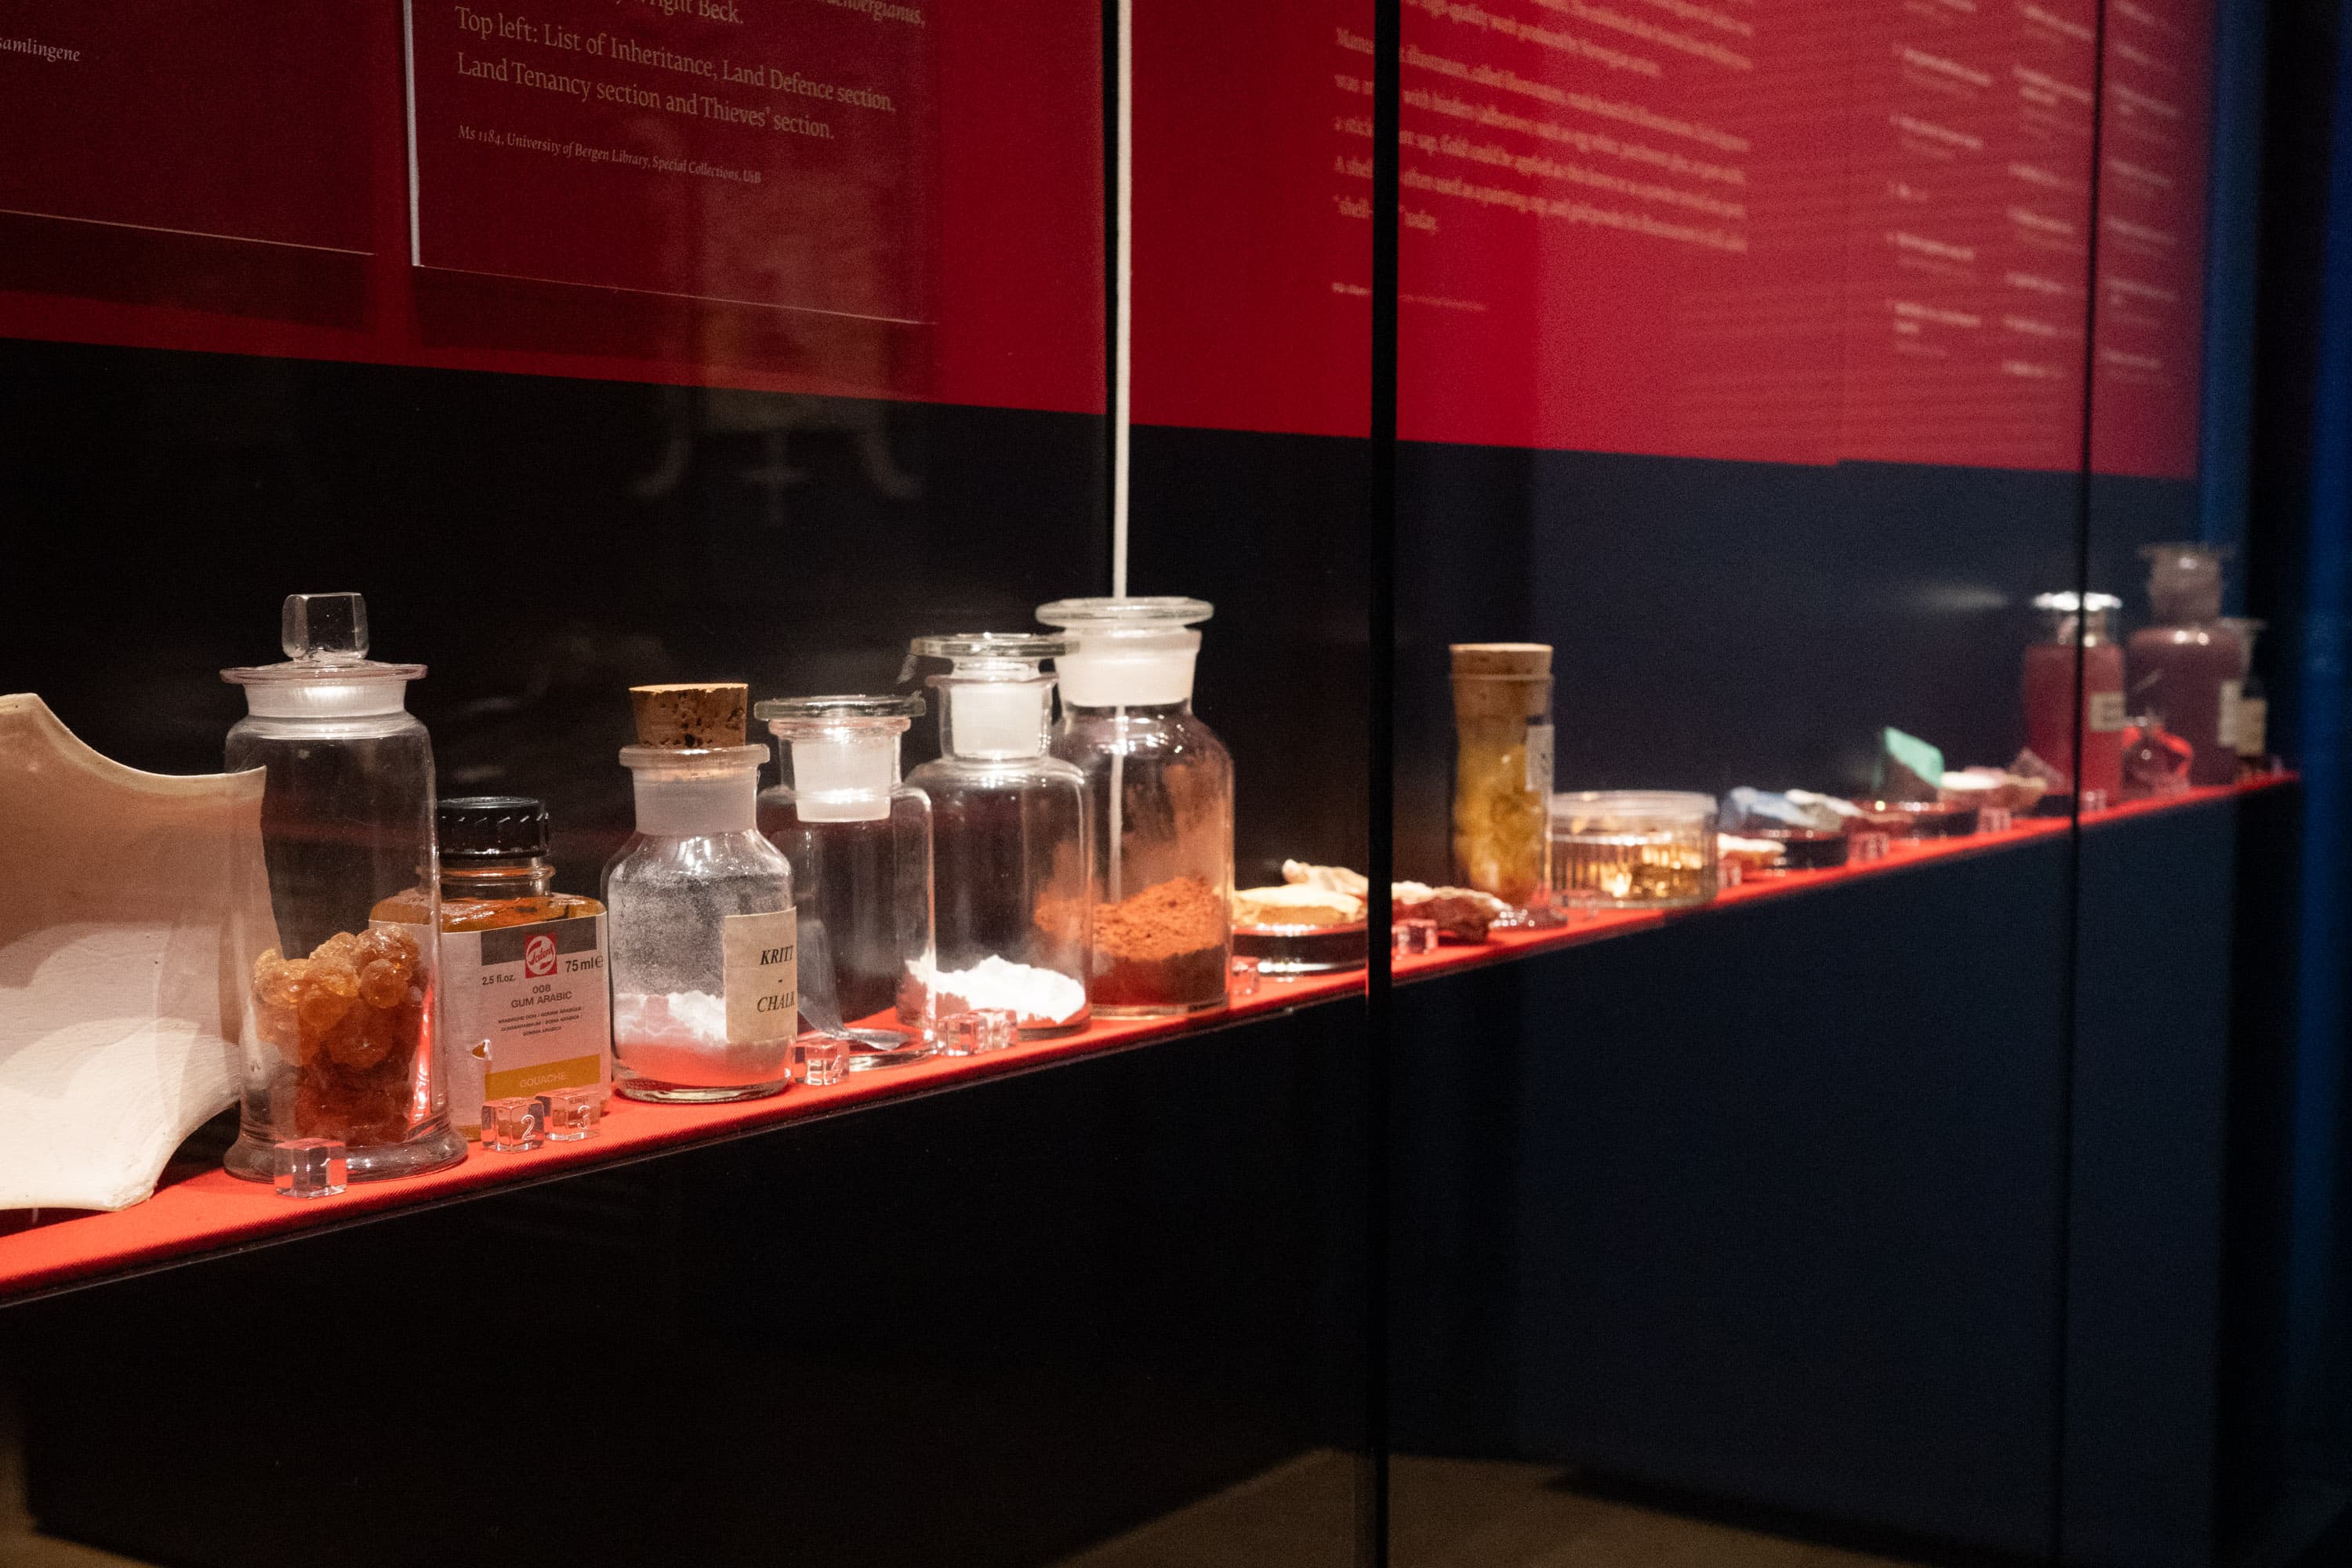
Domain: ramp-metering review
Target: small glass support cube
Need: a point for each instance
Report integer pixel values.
(514, 1124)
(1868, 845)
(309, 1168)
(1244, 979)
(574, 1114)
(1413, 936)
(979, 1030)
(820, 1060)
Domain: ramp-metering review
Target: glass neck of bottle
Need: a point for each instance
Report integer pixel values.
(993, 720)
(691, 804)
(2088, 628)
(518, 877)
(2186, 607)
(1132, 710)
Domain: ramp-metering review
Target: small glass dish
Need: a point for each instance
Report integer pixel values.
(1303, 949)
(1805, 849)
(1914, 818)
(1634, 849)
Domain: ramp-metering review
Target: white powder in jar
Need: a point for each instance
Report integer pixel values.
(671, 1018)
(680, 1038)
(1044, 998)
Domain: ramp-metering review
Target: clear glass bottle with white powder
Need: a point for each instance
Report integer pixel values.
(705, 957)
(1010, 837)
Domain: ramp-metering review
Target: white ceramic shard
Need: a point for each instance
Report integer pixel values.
(131, 907)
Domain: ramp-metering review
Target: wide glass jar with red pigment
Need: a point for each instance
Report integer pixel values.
(1160, 799)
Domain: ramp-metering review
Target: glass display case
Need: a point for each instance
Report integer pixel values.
(1715, 931)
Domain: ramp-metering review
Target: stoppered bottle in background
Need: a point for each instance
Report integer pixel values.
(2187, 669)
(2078, 637)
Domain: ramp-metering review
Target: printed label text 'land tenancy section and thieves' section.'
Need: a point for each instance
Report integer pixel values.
(562, 142)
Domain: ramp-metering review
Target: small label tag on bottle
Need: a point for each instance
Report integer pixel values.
(2103, 712)
(2227, 727)
(526, 1009)
(763, 976)
(1539, 760)
(2253, 726)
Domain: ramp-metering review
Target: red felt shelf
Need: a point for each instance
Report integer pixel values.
(1904, 855)
(213, 1213)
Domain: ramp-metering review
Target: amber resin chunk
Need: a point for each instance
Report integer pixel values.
(348, 1021)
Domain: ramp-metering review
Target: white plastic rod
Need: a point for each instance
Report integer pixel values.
(1122, 370)
(1122, 379)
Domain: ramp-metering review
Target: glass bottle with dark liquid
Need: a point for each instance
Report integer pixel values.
(859, 841)
(2080, 639)
(2186, 668)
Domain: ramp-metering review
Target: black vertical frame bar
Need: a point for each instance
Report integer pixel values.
(1388, 17)
(2061, 1360)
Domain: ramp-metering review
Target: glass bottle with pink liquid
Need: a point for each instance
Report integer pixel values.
(2186, 669)
(2079, 630)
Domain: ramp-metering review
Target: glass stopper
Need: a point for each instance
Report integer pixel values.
(323, 623)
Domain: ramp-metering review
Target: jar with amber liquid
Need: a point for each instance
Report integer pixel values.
(525, 1007)
(340, 1004)
(1502, 774)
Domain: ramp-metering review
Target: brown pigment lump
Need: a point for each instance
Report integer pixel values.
(1163, 947)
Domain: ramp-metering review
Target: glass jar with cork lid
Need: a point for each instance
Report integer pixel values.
(698, 911)
(1160, 788)
(1502, 773)
(339, 1040)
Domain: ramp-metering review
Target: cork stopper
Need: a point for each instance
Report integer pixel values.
(1502, 658)
(1501, 679)
(690, 717)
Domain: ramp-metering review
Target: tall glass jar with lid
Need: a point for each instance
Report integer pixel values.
(1011, 842)
(1160, 790)
(338, 1038)
(859, 841)
(1502, 775)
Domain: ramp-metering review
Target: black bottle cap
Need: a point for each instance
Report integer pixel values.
(492, 826)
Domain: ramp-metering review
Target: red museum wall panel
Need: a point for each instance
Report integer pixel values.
(1775, 230)
(898, 199)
